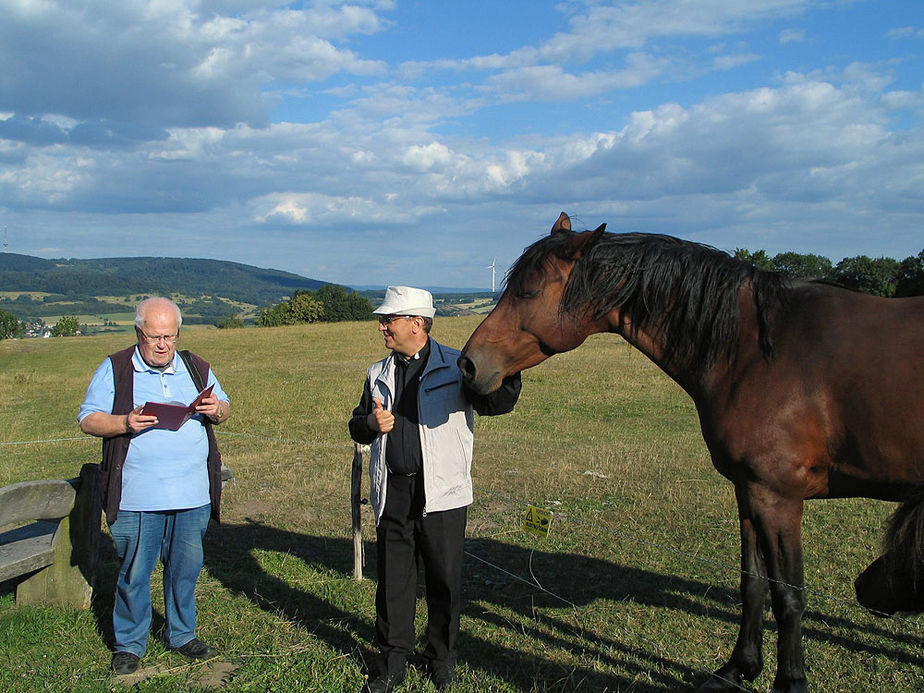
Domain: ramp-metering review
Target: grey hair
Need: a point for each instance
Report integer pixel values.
(142, 310)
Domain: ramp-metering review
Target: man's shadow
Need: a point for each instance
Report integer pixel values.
(104, 586)
(230, 558)
(493, 596)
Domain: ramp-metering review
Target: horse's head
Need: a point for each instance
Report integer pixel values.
(527, 325)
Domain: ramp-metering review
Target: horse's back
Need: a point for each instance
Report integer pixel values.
(837, 410)
(861, 359)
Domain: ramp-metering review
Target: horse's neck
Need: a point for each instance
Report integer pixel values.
(652, 346)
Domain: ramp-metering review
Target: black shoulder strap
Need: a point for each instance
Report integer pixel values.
(193, 370)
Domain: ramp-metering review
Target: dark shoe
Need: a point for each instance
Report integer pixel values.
(384, 683)
(196, 649)
(442, 677)
(124, 663)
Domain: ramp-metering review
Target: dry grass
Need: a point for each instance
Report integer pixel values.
(638, 578)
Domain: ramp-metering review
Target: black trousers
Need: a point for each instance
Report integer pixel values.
(404, 541)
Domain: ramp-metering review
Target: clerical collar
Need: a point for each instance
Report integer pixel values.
(424, 351)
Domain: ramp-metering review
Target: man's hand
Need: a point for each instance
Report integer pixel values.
(136, 420)
(380, 419)
(107, 425)
(213, 408)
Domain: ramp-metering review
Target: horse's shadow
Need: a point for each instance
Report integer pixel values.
(230, 559)
(500, 601)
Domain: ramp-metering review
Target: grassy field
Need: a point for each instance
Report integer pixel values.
(634, 589)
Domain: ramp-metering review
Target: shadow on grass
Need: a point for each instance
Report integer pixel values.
(104, 595)
(514, 611)
(230, 558)
(517, 611)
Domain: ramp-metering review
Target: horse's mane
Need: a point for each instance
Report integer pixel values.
(684, 293)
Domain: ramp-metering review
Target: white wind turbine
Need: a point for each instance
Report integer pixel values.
(492, 267)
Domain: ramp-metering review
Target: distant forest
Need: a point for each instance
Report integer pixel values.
(149, 275)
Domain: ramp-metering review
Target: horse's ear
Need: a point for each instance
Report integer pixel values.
(563, 223)
(597, 233)
(583, 242)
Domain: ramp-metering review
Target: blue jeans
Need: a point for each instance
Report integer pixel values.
(175, 537)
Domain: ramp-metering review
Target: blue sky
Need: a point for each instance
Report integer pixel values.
(380, 142)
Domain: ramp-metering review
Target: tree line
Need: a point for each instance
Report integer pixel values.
(882, 276)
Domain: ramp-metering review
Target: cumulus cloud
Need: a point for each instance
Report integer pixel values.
(170, 63)
(289, 122)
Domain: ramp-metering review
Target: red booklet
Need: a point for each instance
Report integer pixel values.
(172, 415)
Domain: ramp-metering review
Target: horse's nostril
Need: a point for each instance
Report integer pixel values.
(467, 367)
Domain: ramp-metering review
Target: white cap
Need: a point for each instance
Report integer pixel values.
(406, 300)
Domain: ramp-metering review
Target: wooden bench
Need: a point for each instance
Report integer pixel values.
(52, 538)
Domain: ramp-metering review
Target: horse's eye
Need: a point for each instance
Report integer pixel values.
(527, 294)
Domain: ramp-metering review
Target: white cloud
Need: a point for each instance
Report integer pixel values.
(159, 117)
(166, 62)
(553, 83)
(905, 32)
(792, 36)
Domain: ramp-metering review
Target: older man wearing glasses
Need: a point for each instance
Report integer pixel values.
(418, 418)
(160, 486)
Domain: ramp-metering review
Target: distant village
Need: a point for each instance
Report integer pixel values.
(36, 328)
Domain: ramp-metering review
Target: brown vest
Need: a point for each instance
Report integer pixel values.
(115, 448)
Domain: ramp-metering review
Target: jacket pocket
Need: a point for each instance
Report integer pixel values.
(439, 386)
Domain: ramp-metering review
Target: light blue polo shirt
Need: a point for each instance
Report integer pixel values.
(164, 470)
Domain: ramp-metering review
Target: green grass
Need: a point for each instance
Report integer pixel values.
(638, 577)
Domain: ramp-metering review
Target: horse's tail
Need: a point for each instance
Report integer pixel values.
(895, 580)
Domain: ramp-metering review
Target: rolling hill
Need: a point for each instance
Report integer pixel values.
(150, 275)
(102, 293)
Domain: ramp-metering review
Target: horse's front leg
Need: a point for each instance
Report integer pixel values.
(747, 660)
(782, 524)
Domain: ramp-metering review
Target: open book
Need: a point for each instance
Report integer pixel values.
(172, 415)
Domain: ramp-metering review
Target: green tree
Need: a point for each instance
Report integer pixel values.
(304, 307)
(230, 321)
(9, 326)
(861, 273)
(911, 276)
(340, 304)
(274, 316)
(798, 266)
(67, 326)
(758, 258)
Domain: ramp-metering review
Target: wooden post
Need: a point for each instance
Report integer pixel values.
(356, 504)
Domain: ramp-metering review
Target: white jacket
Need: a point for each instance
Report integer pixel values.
(447, 425)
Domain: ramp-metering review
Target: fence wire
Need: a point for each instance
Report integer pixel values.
(559, 515)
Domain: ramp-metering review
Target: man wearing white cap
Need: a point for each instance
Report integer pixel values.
(419, 420)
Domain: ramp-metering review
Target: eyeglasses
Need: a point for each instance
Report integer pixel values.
(168, 338)
(388, 319)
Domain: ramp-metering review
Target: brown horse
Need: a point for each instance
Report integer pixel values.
(803, 390)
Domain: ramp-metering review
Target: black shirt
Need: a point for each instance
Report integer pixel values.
(402, 454)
